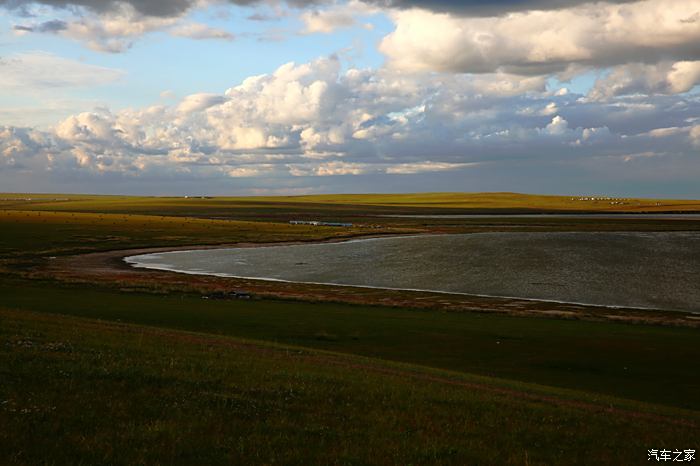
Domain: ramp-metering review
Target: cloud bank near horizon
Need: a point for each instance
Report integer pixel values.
(468, 91)
(316, 120)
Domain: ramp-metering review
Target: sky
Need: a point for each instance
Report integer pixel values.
(267, 97)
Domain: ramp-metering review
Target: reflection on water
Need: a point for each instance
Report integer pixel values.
(658, 270)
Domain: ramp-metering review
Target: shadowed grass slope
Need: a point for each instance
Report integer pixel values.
(78, 391)
(640, 362)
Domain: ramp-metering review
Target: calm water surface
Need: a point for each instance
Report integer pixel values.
(656, 270)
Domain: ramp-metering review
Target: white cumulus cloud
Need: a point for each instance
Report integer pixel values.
(545, 41)
(319, 120)
(639, 78)
(199, 31)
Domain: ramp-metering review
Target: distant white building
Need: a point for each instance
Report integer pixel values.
(316, 223)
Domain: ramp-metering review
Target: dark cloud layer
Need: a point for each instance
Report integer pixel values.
(46, 27)
(483, 7)
(169, 8)
(159, 8)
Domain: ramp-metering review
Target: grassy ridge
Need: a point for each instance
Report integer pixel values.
(78, 391)
(37, 233)
(632, 361)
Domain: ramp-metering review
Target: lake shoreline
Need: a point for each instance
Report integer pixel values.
(283, 267)
(109, 269)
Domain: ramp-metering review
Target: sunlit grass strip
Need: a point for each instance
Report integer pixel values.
(464, 201)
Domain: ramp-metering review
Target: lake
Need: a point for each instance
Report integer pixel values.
(631, 269)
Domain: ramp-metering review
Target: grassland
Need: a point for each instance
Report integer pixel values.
(607, 358)
(269, 381)
(33, 234)
(340, 206)
(78, 391)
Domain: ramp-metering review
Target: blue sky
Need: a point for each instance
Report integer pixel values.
(110, 96)
(159, 62)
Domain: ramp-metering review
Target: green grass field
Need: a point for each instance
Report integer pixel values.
(608, 358)
(79, 391)
(268, 381)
